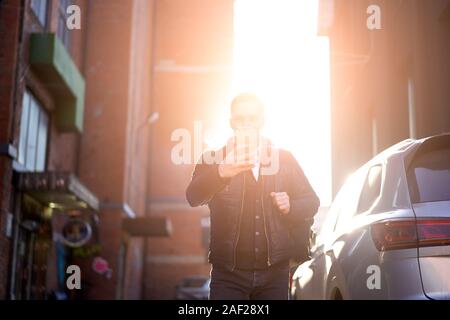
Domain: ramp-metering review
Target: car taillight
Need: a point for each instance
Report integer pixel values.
(389, 235)
(433, 232)
(403, 234)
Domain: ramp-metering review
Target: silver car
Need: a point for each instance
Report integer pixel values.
(193, 288)
(387, 233)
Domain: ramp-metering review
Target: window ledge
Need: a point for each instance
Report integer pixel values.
(8, 150)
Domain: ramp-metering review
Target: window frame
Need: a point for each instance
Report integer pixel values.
(328, 228)
(37, 14)
(62, 31)
(38, 162)
(349, 204)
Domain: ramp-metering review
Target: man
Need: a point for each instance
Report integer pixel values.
(257, 214)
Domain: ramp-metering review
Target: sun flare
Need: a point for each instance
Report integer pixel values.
(278, 55)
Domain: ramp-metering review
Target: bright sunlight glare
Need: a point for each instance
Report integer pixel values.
(278, 55)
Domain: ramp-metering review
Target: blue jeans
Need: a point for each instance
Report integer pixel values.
(269, 284)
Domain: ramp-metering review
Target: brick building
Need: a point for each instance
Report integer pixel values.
(74, 106)
(388, 84)
(193, 57)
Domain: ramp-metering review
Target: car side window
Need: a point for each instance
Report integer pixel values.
(343, 207)
(349, 200)
(371, 189)
(326, 231)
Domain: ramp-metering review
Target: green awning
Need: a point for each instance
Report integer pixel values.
(54, 66)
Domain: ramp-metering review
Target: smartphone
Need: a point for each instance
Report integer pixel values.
(247, 143)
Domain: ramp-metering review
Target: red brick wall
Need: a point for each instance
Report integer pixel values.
(194, 38)
(107, 87)
(9, 33)
(62, 147)
(114, 144)
(112, 153)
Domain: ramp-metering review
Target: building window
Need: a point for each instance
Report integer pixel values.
(33, 135)
(63, 32)
(39, 8)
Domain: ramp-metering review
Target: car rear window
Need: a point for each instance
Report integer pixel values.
(429, 176)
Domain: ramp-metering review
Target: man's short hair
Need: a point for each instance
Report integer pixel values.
(246, 97)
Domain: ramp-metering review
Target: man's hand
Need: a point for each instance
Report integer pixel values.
(236, 161)
(281, 201)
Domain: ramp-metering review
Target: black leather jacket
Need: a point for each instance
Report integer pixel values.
(286, 235)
